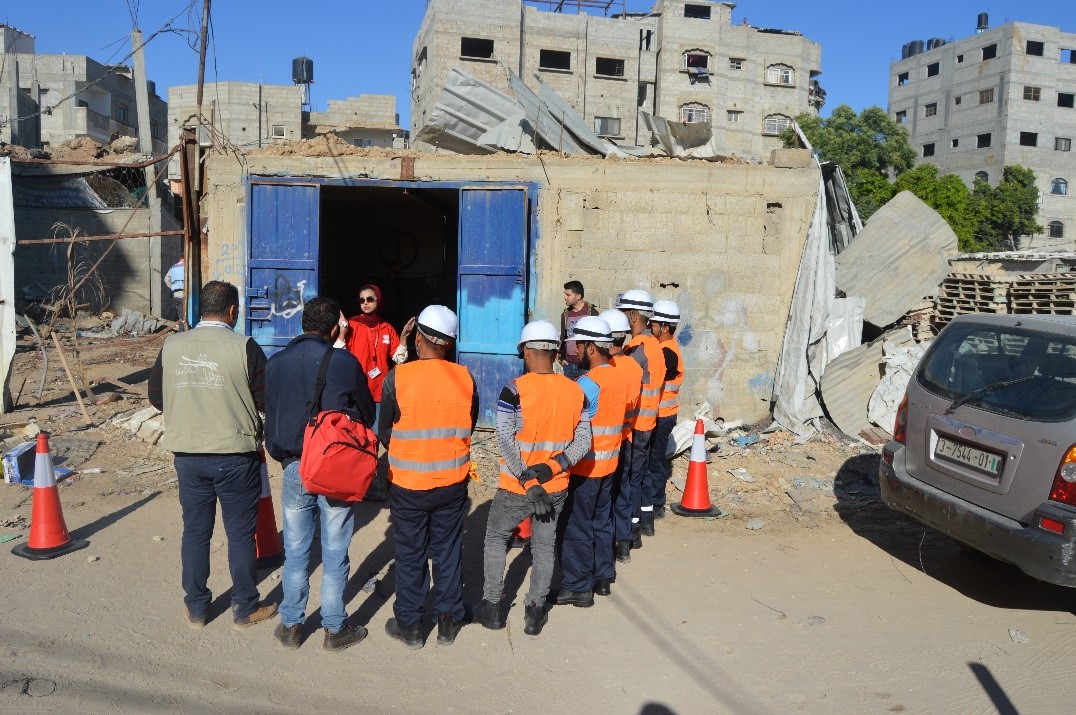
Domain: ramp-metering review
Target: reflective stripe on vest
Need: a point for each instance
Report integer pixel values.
(550, 405)
(607, 426)
(654, 380)
(431, 442)
(670, 396)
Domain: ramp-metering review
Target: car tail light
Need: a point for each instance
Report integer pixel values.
(900, 425)
(1064, 487)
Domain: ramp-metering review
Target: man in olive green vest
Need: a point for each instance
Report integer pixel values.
(209, 382)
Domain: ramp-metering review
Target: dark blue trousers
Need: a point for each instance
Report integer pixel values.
(660, 468)
(587, 545)
(629, 497)
(424, 524)
(235, 481)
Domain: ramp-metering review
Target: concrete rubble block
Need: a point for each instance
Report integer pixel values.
(790, 158)
(134, 422)
(151, 430)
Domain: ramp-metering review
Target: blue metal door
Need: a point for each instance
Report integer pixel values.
(492, 289)
(283, 262)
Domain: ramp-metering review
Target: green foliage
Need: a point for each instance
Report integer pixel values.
(1007, 211)
(950, 197)
(869, 147)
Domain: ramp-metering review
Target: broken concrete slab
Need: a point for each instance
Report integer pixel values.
(790, 158)
(901, 256)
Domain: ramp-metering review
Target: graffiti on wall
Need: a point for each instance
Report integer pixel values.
(284, 300)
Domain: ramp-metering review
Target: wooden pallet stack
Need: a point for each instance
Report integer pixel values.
(1043, 293)
(963, 293)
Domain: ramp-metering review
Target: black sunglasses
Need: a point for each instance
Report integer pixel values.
(368, 299)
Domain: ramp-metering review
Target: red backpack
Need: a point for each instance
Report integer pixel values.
(339, 453)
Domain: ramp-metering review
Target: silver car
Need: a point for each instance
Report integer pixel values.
(984, 448)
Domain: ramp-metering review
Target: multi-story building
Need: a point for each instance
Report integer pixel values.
(46, 100)
(684, 61)
(366, 120)
(1002, 96)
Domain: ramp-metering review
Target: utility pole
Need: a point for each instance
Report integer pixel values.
(153, 199)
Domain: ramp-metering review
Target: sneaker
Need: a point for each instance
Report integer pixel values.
(411, 636)
(646, 524)
(262, 612)
(289, 636)
(580, 599)
(489, 615)
(447, 629)
(195, 622)
(534, 619)
(343, 638)
(603, 587)
(623, 552)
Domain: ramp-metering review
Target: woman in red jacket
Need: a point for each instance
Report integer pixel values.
(374, 342)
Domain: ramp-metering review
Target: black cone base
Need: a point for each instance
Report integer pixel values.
(26, 552)
(681, 510)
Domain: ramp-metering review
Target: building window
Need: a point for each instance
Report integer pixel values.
(982, 141)
(1065, 99)
(694, 113)
(986, 96)
(1062, 144)
(696, 59)
(780, 74)
(607, 126)
(733, 116)
(1059, 187)
(960, 59)
(930, 110)
(1033, 94)
(697, 12)
(122, 110)
(933, 69)
(476, 48)
(279, 131)
(1056, 229)
(364, 142)
(955, 143)
(990, 52)
(956, 100)
(775, 124)
(982, 176)
(901, 116)
(736, 63)
(1029, 139)
(928, 149)
(902, 79)
(1035, 48)
(1068, 56)
(155, 129)
(554, 60)
(609, 67)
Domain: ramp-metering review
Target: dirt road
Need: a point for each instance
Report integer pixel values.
(860, 614)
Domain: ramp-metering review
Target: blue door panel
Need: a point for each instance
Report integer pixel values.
(283, 261)
(492, 289)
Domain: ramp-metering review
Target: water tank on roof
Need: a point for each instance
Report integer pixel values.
(152, 87)
(935, 42)
(915, 48)
(302, 70)
(904, 50)
(984, 22)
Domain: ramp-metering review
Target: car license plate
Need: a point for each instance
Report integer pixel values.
(969, 456)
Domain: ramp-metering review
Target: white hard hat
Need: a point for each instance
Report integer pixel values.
(540, 335)
(438, 324)
(617, 321)
(635, 299)
(665, 311)
(592, 329)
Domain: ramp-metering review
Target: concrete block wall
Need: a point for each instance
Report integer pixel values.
(722, 240)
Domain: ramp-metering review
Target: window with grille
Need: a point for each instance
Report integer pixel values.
(775, 124)
(780, 74)
(1059, 187)
(986, 96)
(1062, 144)
(607, 126)
(1057, 229)
(1033, 94)
(736, 63)
(694, 113)
(930, 110)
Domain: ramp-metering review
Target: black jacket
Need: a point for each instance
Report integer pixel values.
(290, 378)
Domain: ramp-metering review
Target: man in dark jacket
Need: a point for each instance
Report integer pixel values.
(290, 378)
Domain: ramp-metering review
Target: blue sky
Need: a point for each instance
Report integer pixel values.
(365, 46)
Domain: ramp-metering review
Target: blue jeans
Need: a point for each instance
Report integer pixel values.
(660, 467)
(234, 480)
(337, 526)
(626, 508)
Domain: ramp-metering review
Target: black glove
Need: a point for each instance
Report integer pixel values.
(543, 505)
(542, 472)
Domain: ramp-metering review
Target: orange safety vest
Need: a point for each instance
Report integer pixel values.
(670, 394)
(431, 442)
(615, 398)
(653, 380)
(634, 373)
(551, 405)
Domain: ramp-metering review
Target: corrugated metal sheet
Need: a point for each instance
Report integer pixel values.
(55, 192)
(851, 379)
(466, 113)
(899, 258)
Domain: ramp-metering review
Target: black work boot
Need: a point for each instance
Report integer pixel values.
(646, 523)
(603, 587)
(288, 636)
(411, 636)
(580, 599)
(343, 638)
(636, 537)
(534, 619)
(623, 552)
(489, 615)
(447, 628)
(659, 512)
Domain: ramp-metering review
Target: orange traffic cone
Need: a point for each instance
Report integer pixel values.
(696, 501)
(270, 548)
(521, 534)
(48, 532)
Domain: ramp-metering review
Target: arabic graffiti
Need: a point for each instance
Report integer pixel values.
(287, 301)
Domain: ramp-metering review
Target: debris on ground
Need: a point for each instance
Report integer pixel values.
(1018, 637)
(755, 524)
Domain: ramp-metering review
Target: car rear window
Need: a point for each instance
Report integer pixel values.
(970, 357)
